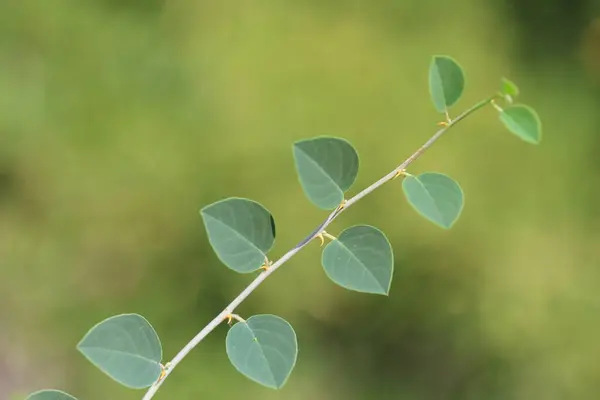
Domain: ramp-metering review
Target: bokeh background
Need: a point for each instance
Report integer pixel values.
(120, 119)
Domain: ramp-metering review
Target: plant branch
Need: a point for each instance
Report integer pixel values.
(228, 311)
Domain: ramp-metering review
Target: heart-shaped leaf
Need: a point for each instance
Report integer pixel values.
(126, 348)
(263, 348)
(240, 231)
(50, 394)
(446, 82)
(360, 259)
(326, 167)
(523, 121)
(435, 196)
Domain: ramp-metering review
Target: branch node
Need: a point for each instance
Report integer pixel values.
(321, 238)
(163, 371)
(447, 122)
(401, 172)
(266, 265)
(230, 317)
(341, 206)
(324, 235)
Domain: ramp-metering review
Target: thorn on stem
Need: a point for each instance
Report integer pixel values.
(266, 265)
(324, 235)
(321, 238)
(163, 371)
(231, 317)
(447, 122)
(401, 172)
(341, 206)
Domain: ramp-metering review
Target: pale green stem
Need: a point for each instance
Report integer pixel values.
(274, 266)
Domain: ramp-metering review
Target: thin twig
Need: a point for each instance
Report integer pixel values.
(228, 311)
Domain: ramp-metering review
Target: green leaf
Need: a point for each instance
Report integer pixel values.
(50, 394)
(126, 348)
(360, 259)
(435, 196)
(326, 167)
(240, 231)
(264, 349)
(446, 82)
(523, 121)
(509, 88)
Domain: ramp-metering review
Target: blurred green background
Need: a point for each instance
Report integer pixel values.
(120, 119)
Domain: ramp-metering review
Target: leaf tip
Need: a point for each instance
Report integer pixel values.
(509, 87)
